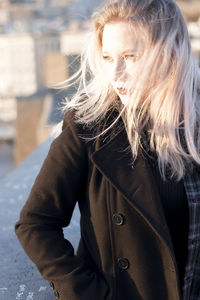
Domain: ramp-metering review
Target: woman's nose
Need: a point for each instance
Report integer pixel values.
(118, 70)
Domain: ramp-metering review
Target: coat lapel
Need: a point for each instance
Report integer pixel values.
(134, 181)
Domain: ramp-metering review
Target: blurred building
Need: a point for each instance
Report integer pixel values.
(8, 109)
(36, 119)
(31, 126)
(29, 65)
(46, 45)
(194, 32)
(72, 41)
(22, 62)
(8, 113)
(17, 65)
(35, 125)
(4, 12)
(55, 68)
(190, 9)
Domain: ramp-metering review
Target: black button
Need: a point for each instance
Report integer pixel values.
(51, 285)
(123, 263)
(56, 294)
(118, 219)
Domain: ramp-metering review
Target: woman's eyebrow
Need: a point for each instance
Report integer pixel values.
(125, 51)
(129, 50)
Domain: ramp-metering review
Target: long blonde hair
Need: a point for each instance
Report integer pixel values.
(167, 80)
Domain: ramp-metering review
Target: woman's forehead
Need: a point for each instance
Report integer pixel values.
(121, 34)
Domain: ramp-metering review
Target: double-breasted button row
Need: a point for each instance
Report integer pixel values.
(123, 263)
(118, 219)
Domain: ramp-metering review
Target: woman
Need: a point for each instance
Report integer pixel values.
(129, 154)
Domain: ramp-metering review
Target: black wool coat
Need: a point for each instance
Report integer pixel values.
(125, 250)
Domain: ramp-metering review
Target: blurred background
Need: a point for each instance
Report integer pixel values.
(40, 45)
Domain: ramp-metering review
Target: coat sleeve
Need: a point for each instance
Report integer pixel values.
(59, 184)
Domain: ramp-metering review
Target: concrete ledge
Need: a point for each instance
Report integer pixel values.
(20, 279)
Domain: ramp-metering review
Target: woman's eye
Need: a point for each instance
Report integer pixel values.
(131, 56)
(107, 58)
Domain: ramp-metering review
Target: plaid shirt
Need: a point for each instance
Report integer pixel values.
(191, 286)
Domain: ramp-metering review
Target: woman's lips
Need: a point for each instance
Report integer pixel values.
(122, 91)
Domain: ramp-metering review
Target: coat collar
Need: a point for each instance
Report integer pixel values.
(133, 180)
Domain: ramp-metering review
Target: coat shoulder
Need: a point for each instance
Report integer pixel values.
(96, 132)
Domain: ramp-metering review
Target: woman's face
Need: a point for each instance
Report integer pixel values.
(121, 51)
